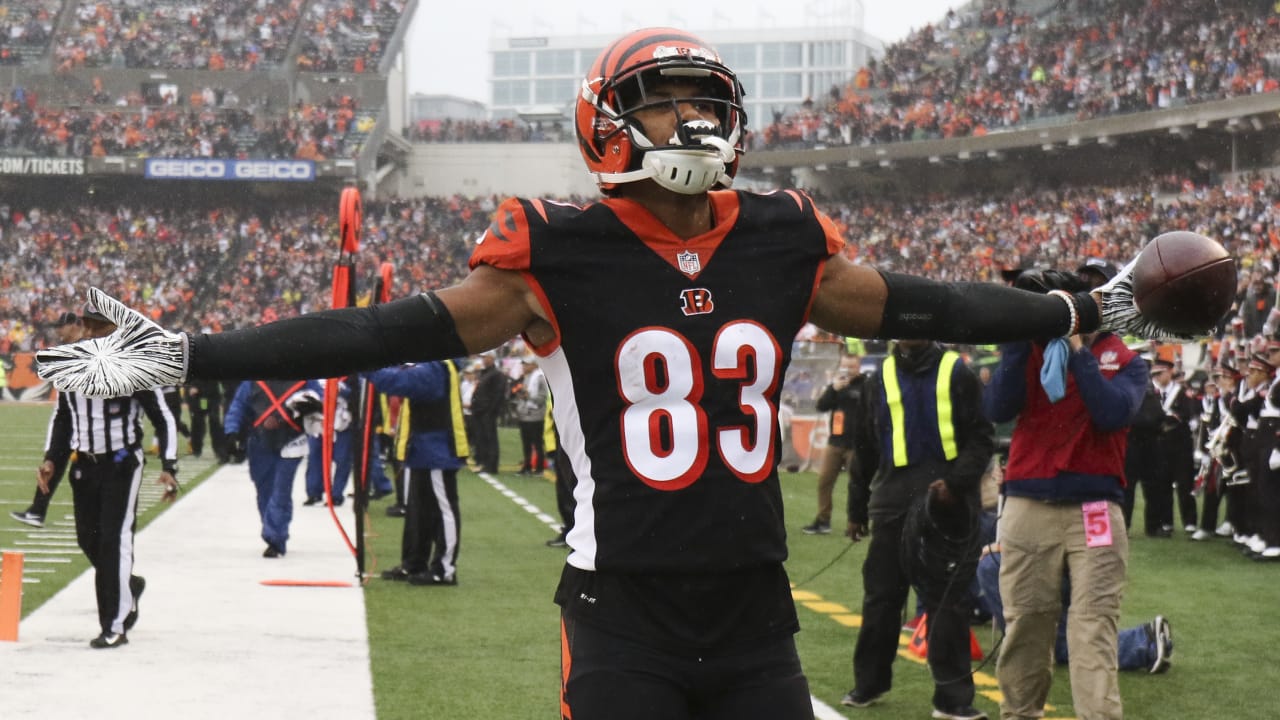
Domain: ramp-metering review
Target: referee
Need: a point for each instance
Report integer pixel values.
(102, 437)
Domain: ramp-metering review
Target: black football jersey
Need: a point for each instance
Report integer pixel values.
(666, 368)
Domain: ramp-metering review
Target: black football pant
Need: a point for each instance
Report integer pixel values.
(946, 600)
(105, 493)
(608, 677)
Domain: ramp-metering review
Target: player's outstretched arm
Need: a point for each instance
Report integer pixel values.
(491, 306)
(863, 302)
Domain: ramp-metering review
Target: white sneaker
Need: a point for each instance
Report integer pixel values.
(1201, 535)
(1271, 553)
(1224, 530)
(1189, 528)
(1239, 539)
(1256, 544)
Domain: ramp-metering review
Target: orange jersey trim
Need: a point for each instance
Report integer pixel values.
(666, 244)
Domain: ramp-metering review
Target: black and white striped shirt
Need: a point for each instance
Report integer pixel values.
(97, 426)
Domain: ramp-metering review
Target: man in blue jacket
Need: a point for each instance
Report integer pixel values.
(432, 443)
(270, 413)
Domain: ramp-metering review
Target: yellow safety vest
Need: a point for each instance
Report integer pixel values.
(893, 396)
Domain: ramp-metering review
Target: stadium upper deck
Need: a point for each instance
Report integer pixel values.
(236, 80)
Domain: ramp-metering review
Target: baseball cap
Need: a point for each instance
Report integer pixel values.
(67, 318)
(1098, 265)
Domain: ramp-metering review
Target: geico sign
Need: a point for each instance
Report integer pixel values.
(273, 170)
(191, 169)
(204, 169)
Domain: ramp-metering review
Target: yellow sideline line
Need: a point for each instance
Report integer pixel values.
(987, 686)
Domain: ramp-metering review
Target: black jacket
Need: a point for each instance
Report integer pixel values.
(846, 402)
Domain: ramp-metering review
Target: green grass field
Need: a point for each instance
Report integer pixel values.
(489, 648)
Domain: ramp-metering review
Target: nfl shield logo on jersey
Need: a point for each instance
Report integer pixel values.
(688, 263)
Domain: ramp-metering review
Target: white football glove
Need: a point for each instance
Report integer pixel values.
(138, 355)
(1120, 313)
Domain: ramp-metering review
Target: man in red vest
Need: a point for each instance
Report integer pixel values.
(1074, 399)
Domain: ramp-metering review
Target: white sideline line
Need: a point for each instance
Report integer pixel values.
(821, 710)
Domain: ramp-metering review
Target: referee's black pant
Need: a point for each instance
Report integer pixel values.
(432, 522)
(105, 493)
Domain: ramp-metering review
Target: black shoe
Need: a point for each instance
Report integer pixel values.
(108, 640)
(398, 573)
(858, 699)
(272, 552)
(312, 501)
(558, 541)
(137, 584)
(27, 517)
(968, 712)
(426, 578)
(817, 527)
(396, 510)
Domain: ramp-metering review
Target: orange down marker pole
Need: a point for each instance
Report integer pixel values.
(10, 596)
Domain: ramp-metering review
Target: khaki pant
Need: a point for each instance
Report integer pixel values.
(1039, 542)
(833, 459)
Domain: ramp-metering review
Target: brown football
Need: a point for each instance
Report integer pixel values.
(1184, 282)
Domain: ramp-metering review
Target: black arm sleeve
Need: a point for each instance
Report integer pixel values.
(331, 343)
(970, 312)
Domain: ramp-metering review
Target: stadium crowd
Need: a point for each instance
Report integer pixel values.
(347, 36)
(1000, 68)
(210, 125)
(26, 27)
(220, 35)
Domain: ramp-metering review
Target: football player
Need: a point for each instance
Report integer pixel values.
(662, 317)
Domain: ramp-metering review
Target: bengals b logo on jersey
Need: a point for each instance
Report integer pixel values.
(696, 301)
